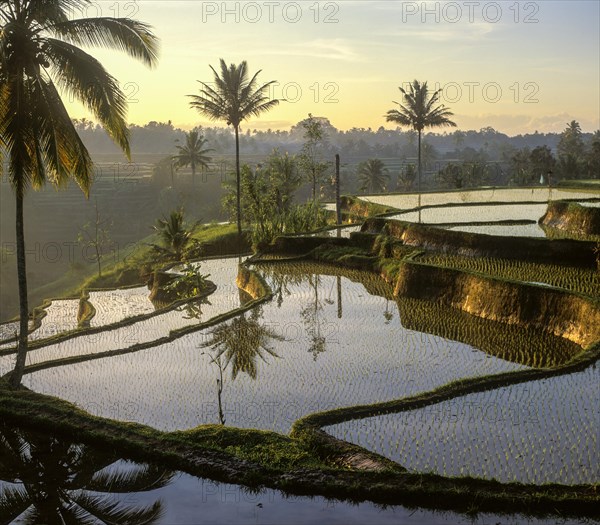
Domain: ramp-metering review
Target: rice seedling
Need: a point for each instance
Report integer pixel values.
(584, 281)
(552, 438)
(363, 358)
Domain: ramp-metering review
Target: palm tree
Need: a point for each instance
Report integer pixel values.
(174, 235)
(373, 176)
(241, 342)
(234, 97)
(48, 480)
(419, 111)
(192, 153)
(38, 53)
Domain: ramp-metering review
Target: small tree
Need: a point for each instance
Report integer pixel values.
(406, 177)
(373, 176)
(174, 234)
(193, 153)
(96, 235)
(312, 151)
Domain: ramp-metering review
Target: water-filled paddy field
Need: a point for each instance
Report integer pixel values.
(324, 341)
(537, 432)
(507, 195)
(462, 211)
(332, 338)
(89, 483)
(324, 362)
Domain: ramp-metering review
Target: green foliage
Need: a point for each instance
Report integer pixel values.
(266, 199)
(373, 176)
(174, 234)
(465, 175)
(311, 162)
(532, 166)
(190, 283)
(406, 177)
(383, 245)
(571, 142)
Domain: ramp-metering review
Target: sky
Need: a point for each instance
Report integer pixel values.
(515, 66)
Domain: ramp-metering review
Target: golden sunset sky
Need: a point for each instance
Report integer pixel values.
(515, 66)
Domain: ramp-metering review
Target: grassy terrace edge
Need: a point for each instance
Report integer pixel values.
(309, 461)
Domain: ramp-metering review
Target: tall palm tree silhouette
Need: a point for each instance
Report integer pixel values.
(419, 111)
(38, 54)
(234, 97)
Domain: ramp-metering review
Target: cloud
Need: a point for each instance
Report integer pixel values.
(335, 49)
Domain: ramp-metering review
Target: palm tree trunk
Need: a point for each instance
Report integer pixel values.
(193, 175)
(419, 174)
(238, 186)
(17, 374)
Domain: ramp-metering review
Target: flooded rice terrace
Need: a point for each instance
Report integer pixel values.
(92, 486)
(325, 341)
(458, 210)
(328, 339)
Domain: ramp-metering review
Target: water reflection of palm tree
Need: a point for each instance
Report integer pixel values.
(312, 319)
(193, 309)
(57, 482)
(241, 341)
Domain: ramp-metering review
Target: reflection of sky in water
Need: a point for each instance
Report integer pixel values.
(325, 362)
(188, 497)
(187, 500)
(538, 432)
(475, 213)
(114, 305)
(222, 272)
(411, 200)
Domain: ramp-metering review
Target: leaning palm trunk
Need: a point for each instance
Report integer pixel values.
(17, 374)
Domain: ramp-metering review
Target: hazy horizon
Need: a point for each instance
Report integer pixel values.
(515, 66)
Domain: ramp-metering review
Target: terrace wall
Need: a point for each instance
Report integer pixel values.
(562, 313)
(561, 251)
(572, 217)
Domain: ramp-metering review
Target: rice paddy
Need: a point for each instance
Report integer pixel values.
(226, 298)
(333, 338)
(539, 432)
(584, 281)
(116, 305)
(325, 341)
(508, 195)
(479, 213)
